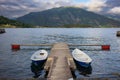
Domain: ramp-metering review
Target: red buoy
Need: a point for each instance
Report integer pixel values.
(105, 47)
(15, 47)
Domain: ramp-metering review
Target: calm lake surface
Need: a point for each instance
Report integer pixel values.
(17, 64)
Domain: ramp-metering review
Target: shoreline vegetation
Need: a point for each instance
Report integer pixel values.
(72, 26)
(9, 23)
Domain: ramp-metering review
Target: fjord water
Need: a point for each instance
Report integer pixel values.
(17, 64)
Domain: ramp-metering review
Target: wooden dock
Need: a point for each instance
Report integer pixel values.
(60, 63)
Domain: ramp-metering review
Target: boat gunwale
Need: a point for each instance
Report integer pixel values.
(35, 54)
(89, 60)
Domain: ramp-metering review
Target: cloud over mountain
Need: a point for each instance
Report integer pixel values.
(16, 8)
(96, 5)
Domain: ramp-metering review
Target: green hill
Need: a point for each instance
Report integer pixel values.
(68, 17)
(8, 23)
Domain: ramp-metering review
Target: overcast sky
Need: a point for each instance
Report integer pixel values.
(17, 8)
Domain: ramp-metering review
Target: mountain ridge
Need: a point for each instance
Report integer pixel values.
(63, 16)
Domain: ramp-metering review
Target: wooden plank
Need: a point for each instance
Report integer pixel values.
(48, 64)
(60, 70)
(71, 63)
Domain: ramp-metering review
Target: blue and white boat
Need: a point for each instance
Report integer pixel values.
(38, 60)
(81, 58)
(39, 57)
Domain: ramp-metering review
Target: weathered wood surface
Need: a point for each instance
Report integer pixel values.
(60, 68)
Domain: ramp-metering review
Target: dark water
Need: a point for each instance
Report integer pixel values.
(17, 64)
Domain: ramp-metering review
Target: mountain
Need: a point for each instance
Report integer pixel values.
(68, 17)
(5, 23)
(115, 17)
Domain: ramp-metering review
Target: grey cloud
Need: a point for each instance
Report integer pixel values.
(110, 5)
(16, 8)
(113, 3)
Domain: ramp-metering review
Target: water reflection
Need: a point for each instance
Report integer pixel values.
(85, 71)
(37, 69)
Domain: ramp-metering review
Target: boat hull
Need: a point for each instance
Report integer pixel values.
(37, 63)
(37, 66)
(83, 64)
(84, 70)
(2, 31)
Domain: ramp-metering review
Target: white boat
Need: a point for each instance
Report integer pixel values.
(39, 57)
(81, 58)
